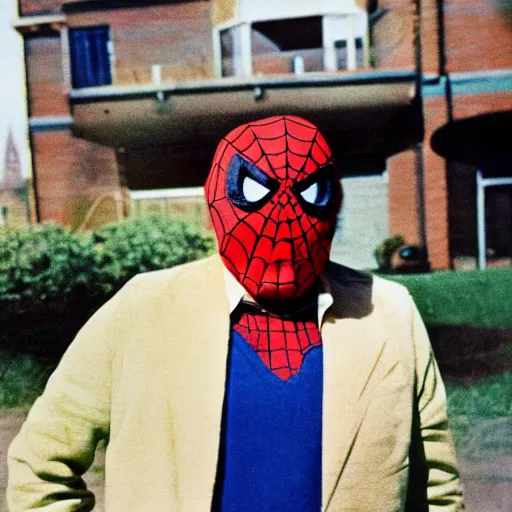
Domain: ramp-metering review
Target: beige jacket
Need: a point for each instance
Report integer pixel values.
(148, 372)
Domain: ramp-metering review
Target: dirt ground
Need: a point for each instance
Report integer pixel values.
(486, 474)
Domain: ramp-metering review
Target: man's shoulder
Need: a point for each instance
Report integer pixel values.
(187, 274)
(363, 291)
(169, 288)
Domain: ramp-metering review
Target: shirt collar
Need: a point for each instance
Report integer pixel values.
(236, 292)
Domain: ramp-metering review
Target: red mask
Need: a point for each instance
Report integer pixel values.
(274, 194)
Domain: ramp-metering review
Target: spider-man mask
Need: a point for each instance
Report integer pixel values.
(274, 194)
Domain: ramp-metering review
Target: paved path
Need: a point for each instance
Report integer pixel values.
(486, 475)
(485, 459)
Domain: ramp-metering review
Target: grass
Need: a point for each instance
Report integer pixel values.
(490, 397)
(479, 298)
(480, 415)
(22, 378)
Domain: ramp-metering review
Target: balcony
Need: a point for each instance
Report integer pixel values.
(166, 120)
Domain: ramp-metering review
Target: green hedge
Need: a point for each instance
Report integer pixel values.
(42, 263)
(479, 298)
(51, 280)
(130, 247)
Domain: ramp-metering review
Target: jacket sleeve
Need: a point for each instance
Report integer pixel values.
(57, 442)
(434, 483)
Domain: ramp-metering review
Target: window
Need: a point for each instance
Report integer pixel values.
(341, 53)
(360, 56)
(345, 41)
(277, 45)
(498, 225)
(90, 56)
(292, 34)
(494, 219)
(292, 45)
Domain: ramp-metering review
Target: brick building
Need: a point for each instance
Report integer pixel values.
(129, 98)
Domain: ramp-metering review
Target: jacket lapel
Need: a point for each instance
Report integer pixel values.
(196, 391)
(353, 339)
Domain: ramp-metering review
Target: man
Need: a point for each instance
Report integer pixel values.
(264, 379)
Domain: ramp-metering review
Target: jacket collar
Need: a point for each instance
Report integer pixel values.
(235, 292)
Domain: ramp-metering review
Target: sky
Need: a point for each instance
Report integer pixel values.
(12, 89)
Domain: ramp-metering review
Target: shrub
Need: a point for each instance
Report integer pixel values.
(124, 249)
(385, 250)
(42, 263)
(51, 281)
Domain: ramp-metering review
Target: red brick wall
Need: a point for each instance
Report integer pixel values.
(436, 199)
(478, 35)
(71, 174)
(402, 196)
(430, 36)
(442, 238)
(475, 104)
(462, 177)
(393, 35)
(178, 37)
(45, 76)
(28, 7)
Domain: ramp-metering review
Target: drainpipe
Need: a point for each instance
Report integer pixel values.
(420, 192)
(443, 72)
(445, 78)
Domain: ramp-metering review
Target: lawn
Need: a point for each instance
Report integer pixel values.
(479, 298)
(490, 397)
(480, 416)
(22, 378)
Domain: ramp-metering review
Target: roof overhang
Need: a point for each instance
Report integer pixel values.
(370, 114)
(80, 6)
(249, 11)
(380, 114)
(481, 141)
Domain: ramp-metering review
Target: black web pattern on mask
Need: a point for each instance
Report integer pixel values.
(281, 343)
(285, 149)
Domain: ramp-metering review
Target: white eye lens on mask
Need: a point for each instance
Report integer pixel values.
(310, 194)
(252, 190)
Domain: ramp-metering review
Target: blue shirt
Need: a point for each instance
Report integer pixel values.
(271, 446)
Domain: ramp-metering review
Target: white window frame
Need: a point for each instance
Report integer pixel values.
(330, 34)
(481, 184)
(242, 66)
(166, 193)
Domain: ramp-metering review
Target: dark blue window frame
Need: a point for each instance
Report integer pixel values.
(90, 59)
